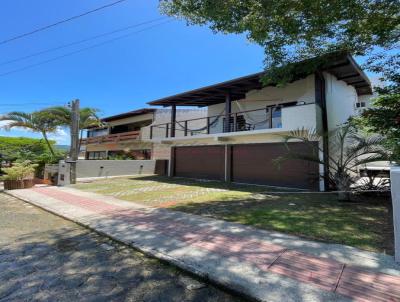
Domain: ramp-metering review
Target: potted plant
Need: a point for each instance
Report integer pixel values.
(19, 176)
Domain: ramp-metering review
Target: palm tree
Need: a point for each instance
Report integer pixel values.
(38, 121)
(348, 150)
(87, 118)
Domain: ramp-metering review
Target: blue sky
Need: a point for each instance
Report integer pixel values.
(118, 76)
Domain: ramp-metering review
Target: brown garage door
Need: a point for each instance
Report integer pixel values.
(253, 163)
(203, 162)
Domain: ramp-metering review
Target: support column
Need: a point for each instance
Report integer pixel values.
(171, 170)
(228, 163)
(173, 120)
(228, 111)
(320, 100)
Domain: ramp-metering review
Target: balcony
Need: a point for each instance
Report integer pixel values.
(112, 138)
(268, 119)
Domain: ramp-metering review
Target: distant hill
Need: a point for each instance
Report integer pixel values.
(62, 147)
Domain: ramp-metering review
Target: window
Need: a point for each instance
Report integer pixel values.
(360, 105)
(276, 117)
(96, 155)
(97, 132)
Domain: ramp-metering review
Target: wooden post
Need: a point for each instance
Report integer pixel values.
(270, 117)
(228, 111)
(173, 120)
(166, 130)
(208, 125)
(186, 128)
(151, 132)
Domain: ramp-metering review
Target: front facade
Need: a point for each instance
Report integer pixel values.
(126, 135)
(242, 135)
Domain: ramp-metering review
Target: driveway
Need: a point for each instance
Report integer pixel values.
(46, 258)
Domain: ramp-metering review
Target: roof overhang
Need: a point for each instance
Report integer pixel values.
(342, 66)
(128, 114)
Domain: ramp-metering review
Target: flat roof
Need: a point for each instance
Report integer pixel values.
(341, 65)
(128, 114)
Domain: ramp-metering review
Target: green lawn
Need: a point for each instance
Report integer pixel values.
(365, 224)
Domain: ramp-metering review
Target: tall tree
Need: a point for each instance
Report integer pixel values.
(87, 118)
(38, 121)
(384, 116)
(294, 30)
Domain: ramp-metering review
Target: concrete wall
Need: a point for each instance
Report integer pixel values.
(298, 91)
(395, 187)
(132, 119)
(163, 116)
(340, 101)
(106, 168)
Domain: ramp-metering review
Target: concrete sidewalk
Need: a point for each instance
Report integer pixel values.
(266, 266)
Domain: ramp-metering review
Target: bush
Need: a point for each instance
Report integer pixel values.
(20, 171)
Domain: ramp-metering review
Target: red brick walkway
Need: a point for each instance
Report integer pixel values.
(329, 275)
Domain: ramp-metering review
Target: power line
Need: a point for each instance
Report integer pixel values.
(59, 22)
(83, 49)
(29, 104)
(80, 41)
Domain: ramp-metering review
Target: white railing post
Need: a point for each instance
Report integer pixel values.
(395, 187)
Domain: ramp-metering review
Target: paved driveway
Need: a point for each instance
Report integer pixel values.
(46, 258)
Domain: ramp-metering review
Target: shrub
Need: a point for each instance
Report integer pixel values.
(20, 171)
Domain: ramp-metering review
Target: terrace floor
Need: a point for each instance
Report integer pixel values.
(365, 224)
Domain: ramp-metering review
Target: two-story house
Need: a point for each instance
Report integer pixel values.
(242, 133)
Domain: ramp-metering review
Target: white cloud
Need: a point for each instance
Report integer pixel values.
(60, 136)
(4, 123)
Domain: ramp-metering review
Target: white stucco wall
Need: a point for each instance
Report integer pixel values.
(395, 188)
(132, 119)
(163, 116)
(340, 101)
(298, 91)
(105, 168)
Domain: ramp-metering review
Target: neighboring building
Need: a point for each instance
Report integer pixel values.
(126, 135)
(242, 134)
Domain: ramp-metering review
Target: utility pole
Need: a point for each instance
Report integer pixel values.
(74, 139)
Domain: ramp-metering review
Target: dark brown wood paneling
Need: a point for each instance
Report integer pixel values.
(203, 162)
(161, 167)
(253, 163)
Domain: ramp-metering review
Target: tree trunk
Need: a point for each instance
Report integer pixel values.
(48, 143)
(343, 194)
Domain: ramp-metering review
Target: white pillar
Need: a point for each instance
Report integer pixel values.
(395, 187)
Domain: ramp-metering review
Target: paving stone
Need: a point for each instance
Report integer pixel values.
(181, 238)
(46, 258)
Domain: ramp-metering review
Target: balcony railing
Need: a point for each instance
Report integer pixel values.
(266, 118)
(112, 138)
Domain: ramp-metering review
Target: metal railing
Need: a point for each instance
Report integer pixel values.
(264, 118)
(112, 138)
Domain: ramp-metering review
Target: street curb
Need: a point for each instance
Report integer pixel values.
(154, 254)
